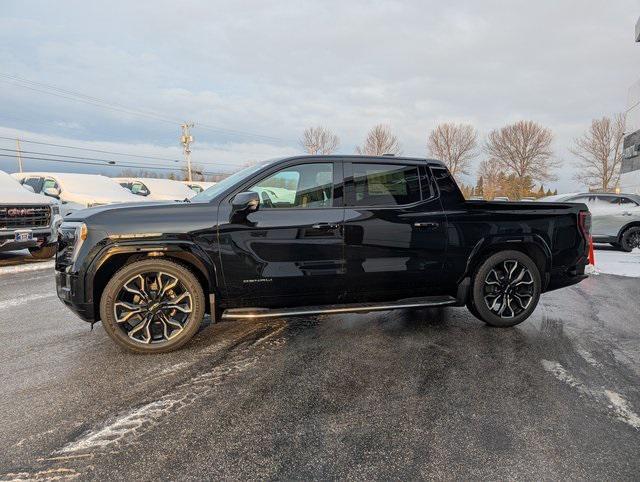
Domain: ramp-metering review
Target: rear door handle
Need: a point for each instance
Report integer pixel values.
(429, 225)
(325, 226)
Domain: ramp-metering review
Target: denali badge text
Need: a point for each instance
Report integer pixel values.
(261, 280)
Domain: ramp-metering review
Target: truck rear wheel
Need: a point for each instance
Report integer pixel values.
(152, 306)
(506, 289)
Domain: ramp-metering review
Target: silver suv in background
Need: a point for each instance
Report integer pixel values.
(27, 220)
(615, 218)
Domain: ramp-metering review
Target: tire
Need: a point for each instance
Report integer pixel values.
(472, 308)
(506, 289)
(152, 306)
(43, 252)
(630, 239)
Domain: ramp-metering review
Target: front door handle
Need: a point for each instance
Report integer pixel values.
(325, 226)
(429, 225)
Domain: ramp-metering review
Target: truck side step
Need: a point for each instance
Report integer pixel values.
(261, 313)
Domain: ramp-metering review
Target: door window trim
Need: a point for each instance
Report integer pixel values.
(423, 175)
(338, 182)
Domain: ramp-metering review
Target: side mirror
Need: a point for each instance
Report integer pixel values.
(29, 188)
(244, 203)
(52, 192)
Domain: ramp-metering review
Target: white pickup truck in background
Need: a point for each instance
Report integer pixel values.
(27, 220)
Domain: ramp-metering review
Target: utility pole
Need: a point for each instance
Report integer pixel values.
(19, 154)
(186, 141)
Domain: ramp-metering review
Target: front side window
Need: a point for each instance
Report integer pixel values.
(627, 202)
(301, 186)
(136, 187)
(49, 183)
(385, 184)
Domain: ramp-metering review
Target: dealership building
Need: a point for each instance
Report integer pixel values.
(630, 177)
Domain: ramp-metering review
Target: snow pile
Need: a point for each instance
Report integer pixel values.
(618, 262)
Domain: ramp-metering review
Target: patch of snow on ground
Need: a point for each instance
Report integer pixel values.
(618, 262)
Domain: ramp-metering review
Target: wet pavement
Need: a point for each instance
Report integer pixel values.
(387, 395)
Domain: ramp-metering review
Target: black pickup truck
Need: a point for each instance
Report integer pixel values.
(314, 234)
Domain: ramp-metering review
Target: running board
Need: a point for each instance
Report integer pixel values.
(261, 313)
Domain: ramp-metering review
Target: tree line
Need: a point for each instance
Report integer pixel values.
(519, 158)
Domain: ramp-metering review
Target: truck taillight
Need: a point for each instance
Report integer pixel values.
(584, 221)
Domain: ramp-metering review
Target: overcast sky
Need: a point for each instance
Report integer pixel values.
(253, 75)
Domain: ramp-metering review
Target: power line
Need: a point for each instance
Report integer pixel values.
(55, 154)
(91, 163)
(115, 106)
(90, 150)
(58, 155)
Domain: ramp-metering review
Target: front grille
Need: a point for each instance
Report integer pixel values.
(24, 217)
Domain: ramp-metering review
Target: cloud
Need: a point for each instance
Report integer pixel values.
(273, 68)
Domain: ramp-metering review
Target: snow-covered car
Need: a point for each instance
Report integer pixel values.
(199, 186)
(615, 218)
(27, 220)
(156, 189)
(77, 191)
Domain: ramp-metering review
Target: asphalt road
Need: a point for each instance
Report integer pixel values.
(388, 395)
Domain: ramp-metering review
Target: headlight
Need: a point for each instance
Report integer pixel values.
(71, 236)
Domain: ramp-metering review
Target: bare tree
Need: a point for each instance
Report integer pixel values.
(455, 144)
(319, 140)
(490, 173)
(380, 140)
(599, 153)
(523, 149)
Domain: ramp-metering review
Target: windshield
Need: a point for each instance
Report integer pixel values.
(228, 182)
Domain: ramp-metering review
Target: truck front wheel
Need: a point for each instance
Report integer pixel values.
(152, 306)
(506, 289)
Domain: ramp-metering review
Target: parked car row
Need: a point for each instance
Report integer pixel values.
(32, 204)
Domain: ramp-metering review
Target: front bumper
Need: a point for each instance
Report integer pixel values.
(8, 242)
(70, 290)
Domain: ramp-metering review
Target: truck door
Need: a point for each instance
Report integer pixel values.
(395, 229)
(292, 246)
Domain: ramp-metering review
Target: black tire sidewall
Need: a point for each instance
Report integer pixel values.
(114, 286)
(483, 311)
(624, 239)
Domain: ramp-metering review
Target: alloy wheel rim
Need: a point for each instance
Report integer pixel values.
(153, 307)
(509, 289)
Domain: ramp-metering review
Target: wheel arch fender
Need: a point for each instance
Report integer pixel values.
(632, 224)
(532, 245)
(113, 256)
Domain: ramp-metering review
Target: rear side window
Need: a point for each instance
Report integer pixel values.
(449, 191)
(385, 184)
